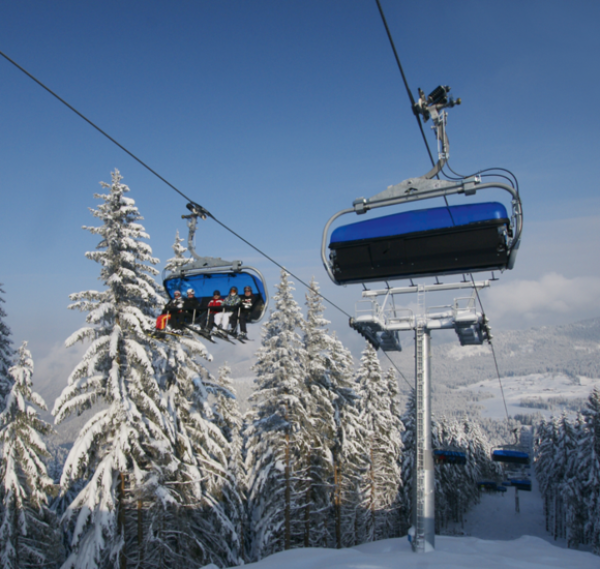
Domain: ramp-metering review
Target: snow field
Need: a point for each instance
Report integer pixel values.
(530, 387)
(527, 552)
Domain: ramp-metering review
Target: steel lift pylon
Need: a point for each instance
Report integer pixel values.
(471, 327)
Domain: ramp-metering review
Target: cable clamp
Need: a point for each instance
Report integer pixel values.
(197, 211)
(470, 185)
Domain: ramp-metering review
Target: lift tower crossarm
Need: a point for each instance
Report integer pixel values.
(425, 288)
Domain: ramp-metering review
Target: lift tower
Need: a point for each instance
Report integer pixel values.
(374, 320)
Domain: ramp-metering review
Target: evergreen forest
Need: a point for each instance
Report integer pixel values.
(169, 472)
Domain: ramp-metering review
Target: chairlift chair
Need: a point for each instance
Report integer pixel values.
(206, 274)
(425, 242)
(510, 455)
(449, 456)
(514, 453)
(490, 486)
(521, 484)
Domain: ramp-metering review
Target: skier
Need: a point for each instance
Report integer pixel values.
(232, 304)
(216, 314)
(244, 312)
(172, 314)
(191, 307)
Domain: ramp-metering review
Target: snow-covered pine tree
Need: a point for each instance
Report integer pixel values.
(201, 521)
(179, 259)
(544, 447)
(227, 414)
(479, 448)
(228, 417)
(479, 462)
(383, 444)
(330, 394)
(210, 531)
(6, 353)
(568, 473)
(397, 520)
(349, 460)
(566, 443)
(276, 436)
(456, 485)
(574, 488)
(28, 533)
(318, 403)
(125, 448)
(590, 466)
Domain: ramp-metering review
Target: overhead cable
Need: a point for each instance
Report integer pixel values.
(187, 198)
(81, 115)
(408, 91)
(515, 184)
(94, 125)
(489, 339)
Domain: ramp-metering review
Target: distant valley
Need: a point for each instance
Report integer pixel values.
(544, 370)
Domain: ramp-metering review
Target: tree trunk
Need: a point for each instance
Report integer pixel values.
(372, 505)
(15, 528)
(140, 533)
(357, 512)
(307, 505)
(121, 521)
(337, 504)
(288, 493)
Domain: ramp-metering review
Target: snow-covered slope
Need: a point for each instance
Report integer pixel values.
(493, 536)
(496, 518)
(572, 350)
(545, 393)
(527, 552)
(546, 370)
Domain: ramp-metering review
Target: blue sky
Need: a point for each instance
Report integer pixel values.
(274, 115)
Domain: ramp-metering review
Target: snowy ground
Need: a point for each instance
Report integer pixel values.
(536, 386)
(495, 518)
(527, 552)
(493, 536)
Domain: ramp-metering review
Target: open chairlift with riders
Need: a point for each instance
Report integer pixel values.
(205, 312)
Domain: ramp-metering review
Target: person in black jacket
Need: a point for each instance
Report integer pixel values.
(244, 312)
(175, 309)
(191, 307)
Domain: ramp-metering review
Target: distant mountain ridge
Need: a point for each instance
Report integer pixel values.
(572, 349)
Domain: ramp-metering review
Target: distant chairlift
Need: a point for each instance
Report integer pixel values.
(521, 484)
(510, 455)
(449, 456)
(515, 453)
(490, 486)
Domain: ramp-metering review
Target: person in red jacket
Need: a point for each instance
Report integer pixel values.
(216, 314)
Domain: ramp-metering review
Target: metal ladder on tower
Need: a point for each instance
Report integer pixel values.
(419, 541)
